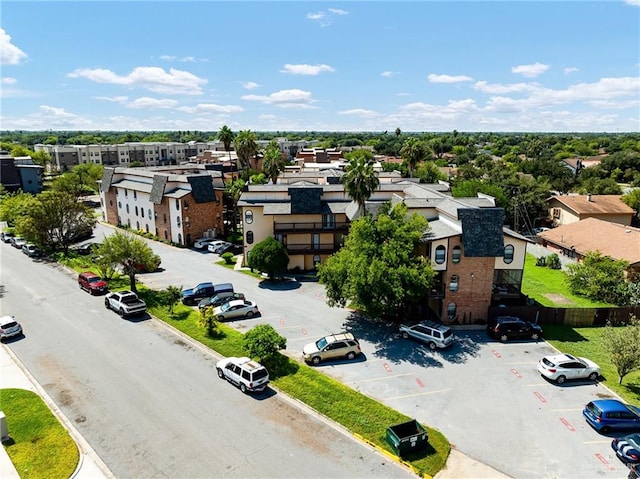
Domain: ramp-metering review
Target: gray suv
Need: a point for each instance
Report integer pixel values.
(435, 335)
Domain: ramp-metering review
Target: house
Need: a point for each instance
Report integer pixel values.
(177, 204)
(575, 240)
(576, 165)
(477, 261)
(567, 209)
(20, 174)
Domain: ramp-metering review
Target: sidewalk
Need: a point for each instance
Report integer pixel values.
(13, 375)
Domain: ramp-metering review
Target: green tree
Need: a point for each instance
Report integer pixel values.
(14, 206)
(597, 277)
(273, 161)
(623, 344)
(263, 343)
(414, 151)
(359, 153)
(269, 256)
(632, 200)
(233, 191)
(171, 296)
(226, 136)
(246, 148)
(54, 220)
(208, 321)
(360, 181)
(81, 180)
(378, 268)
(128, 252)
(428, 172)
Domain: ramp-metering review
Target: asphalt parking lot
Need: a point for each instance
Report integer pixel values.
(485, 396)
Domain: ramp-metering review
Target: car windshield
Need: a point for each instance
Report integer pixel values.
(9, 325)
(321, 343)
(634, 409)
(447, 333)
(94, 279)
(548, 363)
(259, 374)
(225, 306)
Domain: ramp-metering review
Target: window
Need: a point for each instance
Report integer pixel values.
(185, 204)
(451, 311)
(453, 283)
(316, 259)
(441, 254)
(178, 205)
(136, 210)
(137, 225)
(119, 205)
(155, 215)
(187, 222)
(165, 218)
(248, 217)
(508, 254)
(126, 194)
(110, 202)
(328, 221)
(455, 254)
(178, 221)
(135, 195)
(127, 208)
(179, 238)
(555, 212)
(146, 228)
(249, 237)
(142, 212)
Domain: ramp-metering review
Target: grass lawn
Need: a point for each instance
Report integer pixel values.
(547, 286)
(586, 342)
(40, 445)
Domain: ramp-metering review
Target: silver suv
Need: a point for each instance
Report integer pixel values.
(342, 345)
(435, 335)
(248, 375)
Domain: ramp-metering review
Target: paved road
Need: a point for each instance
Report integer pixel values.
(150, 403)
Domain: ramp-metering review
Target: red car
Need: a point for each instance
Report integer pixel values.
(92, 283)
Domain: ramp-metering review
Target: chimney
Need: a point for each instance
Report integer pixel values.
(589, 197)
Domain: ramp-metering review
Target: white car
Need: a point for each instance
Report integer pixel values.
(236, 309)
(214, 245)
(561, 367)
(220, 246)
(248, 375)
(202, 243)
(9, 327)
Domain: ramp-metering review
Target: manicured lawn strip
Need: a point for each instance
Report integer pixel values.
(537, 281)
(585, 342)
(42, 446)
(358, 413)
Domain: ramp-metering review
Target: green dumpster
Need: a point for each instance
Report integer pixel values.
(407, 437)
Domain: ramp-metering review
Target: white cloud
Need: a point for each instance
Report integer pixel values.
(530, 71)
(433, 78)
(187, 59)
(388, 74)
(250, 85)
(635, 3)
(9, 81)
(304, 69)
(499, 88)
(9, 53)
(285, 99)
(151, 103)
(615, 105)
(359, 112)
(154, 79)
(212, 108)
(324, 19)
(115, 99)
(570, 70)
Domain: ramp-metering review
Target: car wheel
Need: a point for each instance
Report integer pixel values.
(249, 314)
(405, 335)
(121, 312)
(220, 318)
(315, 360)
(560, 379)
(432, 345)
(220, 373)
(535, 336)
(351, 355)
(503, 337)
(243, 388)
(106, 303)
(593, 376)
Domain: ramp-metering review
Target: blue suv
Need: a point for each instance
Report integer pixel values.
(605, 415)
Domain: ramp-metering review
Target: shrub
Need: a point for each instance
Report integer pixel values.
(227, 257)
(541, 261)
(263, 342)
(553, 261)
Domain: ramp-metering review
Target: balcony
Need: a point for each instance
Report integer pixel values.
(320, 248)
(437, 290)
(310, 227)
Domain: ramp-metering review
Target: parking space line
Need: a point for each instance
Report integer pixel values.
(597, 442)
(496, 353)
(604, 461)
(420, 383)
(379, 378)
(522, 362)
(564, 410)
(539, 396)
(387, 367)
(305, 338)
(537, 384)
(417, 394)
(566, 423)
(287, 327)
(516, 373)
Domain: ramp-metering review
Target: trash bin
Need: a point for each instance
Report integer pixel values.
(407, 437)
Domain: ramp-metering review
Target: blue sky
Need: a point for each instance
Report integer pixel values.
(429, 66)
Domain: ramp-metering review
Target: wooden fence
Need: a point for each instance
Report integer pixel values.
(576, 317)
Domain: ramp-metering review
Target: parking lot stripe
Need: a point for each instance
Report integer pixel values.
(564, 410)
(522, 362)
(304, 331)
(537, 384)
(387, 367)
(496, 353)
(516, 373)
(604, 461)
(539, 396)
(597, 442)
(287, 327)
(566, 423)
(420, 383)
(417, 394)
(379, 378)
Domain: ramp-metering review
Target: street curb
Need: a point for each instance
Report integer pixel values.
(394, 457)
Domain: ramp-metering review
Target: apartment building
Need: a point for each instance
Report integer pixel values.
(176, 203)
(20, 174)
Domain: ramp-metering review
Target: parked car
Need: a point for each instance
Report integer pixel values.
(219, 299)
(248, 375)
(237, 309)
(220, 247)
(92, 283)
(211, 247)
(627, 448)
(6, 236)
(18, 242)
(605, 415)
(86, 248)
(511, 327)
(229, 248)
(204, 290)
(31, 250)
(9, 327)
(561, 367)
(202, 243)
(435, 335)
(341, 345)
(125, 303)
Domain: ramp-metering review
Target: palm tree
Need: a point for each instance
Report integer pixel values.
(246, 147)
(414, 151)
(360, 181)
(225, 135)
(273, 162)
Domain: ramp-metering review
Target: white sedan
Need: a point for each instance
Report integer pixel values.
(240, 308)
(202, 243)
(214, 245)
(561, 367)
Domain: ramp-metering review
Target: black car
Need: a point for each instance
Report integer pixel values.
(511, 327)
(219, 300)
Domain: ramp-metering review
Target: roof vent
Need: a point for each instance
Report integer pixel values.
(589, 197)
